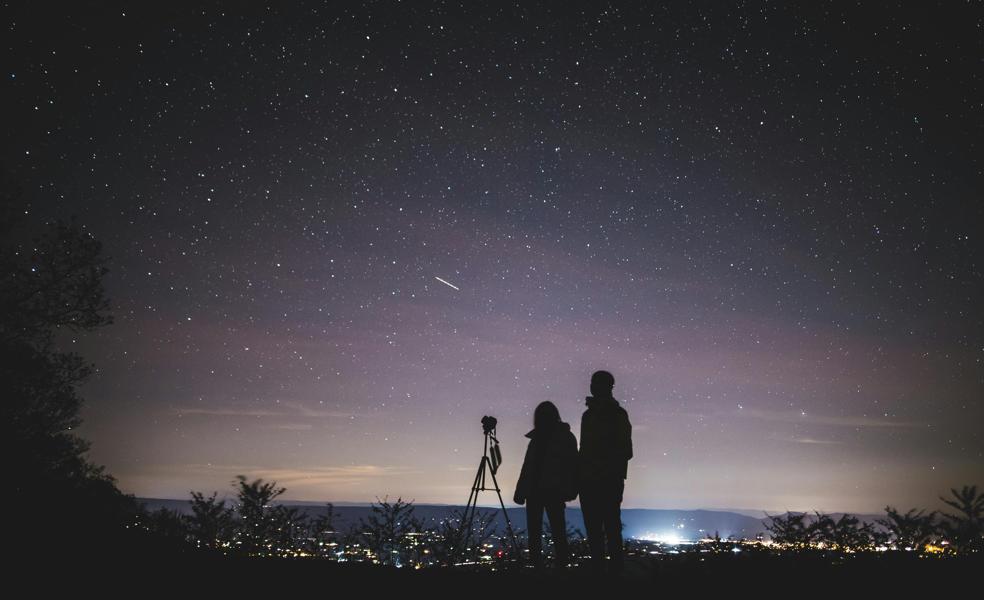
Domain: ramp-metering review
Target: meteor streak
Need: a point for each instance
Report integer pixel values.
(446, 283)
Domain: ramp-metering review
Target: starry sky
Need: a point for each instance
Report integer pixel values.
(340, 235)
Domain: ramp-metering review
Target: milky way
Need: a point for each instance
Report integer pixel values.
(339, 236)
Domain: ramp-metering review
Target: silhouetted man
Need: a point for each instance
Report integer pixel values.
(606, 447)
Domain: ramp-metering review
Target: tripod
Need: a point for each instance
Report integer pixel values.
(491, 459)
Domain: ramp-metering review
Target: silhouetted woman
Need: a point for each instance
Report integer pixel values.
(547, 480)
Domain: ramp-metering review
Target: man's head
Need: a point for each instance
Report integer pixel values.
(602, 383)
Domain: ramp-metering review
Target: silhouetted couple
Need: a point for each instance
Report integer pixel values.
(555, 472)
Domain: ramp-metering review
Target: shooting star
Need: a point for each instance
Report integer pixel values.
(451, 285)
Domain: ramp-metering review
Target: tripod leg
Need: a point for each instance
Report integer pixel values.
(476, 487)
(469, 514)
(505, 514)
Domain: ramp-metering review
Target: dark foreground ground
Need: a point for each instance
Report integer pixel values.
(719, 576)
(140, 571)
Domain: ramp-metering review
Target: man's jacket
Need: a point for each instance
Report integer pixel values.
(606, 442)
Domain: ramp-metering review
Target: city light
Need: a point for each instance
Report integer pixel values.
(668, 538)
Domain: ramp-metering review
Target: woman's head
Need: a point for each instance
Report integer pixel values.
(545, 415)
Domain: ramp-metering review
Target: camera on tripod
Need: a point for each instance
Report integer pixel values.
(494, 454)
(491, 459)
(488, 425)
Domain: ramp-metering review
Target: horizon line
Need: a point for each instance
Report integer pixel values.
(569, 505)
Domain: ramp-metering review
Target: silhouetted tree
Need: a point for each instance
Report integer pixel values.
(446, 539)
(211, 521)
(792, 529)
(909, 531)
(965, 527)
(286, 526)
(845, 533)
(259, 524)
(51, 286)
(167, 524)
(388, 531)
(351, 539)
(322, 532)
(482, 530)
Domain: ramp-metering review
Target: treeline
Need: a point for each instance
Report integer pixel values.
(956, 532)
(254, 525)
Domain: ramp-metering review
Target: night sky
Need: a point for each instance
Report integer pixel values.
(340, 235)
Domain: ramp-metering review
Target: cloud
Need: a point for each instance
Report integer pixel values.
(294, 426)
(812, 419)
(807, 440)
(224, 412)
(284, 409)
(291, 478)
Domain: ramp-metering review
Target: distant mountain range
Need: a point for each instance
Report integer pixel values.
(642, 523)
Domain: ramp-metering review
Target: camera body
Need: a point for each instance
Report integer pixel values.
(488, 424)
(492, 444)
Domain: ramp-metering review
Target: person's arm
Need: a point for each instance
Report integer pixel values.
(585, 435)
(571, 459)
(627, 437)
